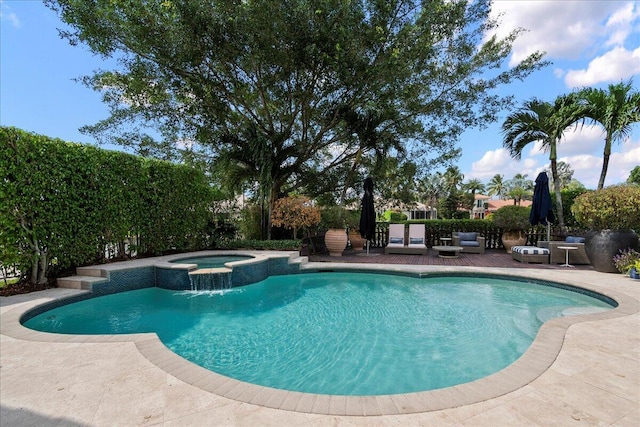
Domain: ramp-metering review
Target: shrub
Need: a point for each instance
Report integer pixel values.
(616, 207)
(511, 218)
(267, 245)
(295, 212)
(334, 217)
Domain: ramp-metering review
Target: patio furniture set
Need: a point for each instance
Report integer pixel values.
(568, 252)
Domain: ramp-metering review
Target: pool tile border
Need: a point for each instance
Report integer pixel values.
(533, 363)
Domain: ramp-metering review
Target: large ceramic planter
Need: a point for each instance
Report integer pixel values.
(335, 240)
(357, 241)
(601, 246)
(513, 238)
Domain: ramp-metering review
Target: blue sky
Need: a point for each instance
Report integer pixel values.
(589, 42)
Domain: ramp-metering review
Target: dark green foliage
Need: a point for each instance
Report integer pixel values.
(568, 196)
(273, 245)
(251, 222)
(634, 176)
(297, 95)
(64, 204)
(512, 218)
(456, 205)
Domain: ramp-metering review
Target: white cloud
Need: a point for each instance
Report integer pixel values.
(500, 162)
(582, 150)
(562, 29)
(575, 32)
(7, 15)
(617, 64)
(621, 163)
(581, 139)
(587, 167)
(621, 23)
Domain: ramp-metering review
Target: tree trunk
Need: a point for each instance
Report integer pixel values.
(34, 268)
(605, 161)
(44, 263)
(556, 189)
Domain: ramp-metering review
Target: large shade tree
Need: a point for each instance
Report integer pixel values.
(542, 121)
(295, 94)
(616, 110)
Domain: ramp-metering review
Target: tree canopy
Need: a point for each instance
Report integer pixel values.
(296, 94)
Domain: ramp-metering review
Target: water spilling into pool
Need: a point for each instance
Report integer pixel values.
(337, 333)
(210, 280)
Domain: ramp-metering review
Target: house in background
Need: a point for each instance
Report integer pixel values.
(485, 205)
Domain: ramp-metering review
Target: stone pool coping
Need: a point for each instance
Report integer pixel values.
(538, 358)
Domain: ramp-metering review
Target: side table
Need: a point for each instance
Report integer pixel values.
(445, 241)
(567, 249)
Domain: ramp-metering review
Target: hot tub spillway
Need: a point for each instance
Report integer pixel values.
(210, 279)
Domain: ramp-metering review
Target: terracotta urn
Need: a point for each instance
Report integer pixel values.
(335, 239)
(357, 241)
(513, 238)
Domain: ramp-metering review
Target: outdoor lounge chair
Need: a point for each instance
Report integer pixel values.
(416, 239)
(530, 254)
(396, 238)
(470, 242)
(558, 256)
(398, 244)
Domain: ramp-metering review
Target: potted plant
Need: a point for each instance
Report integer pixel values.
(356, 239)
(334, 218)
(634, 272)
(626, 260)
(513, 220)
(613, 216)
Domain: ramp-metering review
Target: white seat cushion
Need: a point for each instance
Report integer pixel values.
(530, 250)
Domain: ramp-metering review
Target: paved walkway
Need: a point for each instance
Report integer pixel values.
(593, 377)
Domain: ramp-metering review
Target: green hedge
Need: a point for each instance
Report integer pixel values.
(272, 245)
(63, 204)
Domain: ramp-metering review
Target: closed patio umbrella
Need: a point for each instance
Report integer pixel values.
(368, 213)
(541, 209)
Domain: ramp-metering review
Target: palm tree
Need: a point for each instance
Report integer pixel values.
(474, 185)
(496, 186)
(431, 189)
(542, 121)
(452, 178)
(616, 110)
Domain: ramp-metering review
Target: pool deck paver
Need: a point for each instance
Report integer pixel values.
(47, 380)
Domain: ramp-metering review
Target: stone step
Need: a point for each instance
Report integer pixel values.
(91, 271)
(299, 260)
(79, 282)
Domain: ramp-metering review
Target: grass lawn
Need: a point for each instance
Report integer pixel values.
(10, 281)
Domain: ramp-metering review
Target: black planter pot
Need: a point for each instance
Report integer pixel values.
(601, 246)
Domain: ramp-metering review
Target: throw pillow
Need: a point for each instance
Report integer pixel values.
(468, 236)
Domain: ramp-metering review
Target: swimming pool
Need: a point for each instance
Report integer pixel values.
(337, 333)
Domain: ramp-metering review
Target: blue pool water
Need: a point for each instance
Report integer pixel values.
(214, 261)
(336, 333)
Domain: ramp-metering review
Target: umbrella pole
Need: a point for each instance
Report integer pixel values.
(548, 232)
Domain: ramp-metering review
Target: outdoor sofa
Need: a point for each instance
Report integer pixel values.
(558, 256)
(470, 242)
